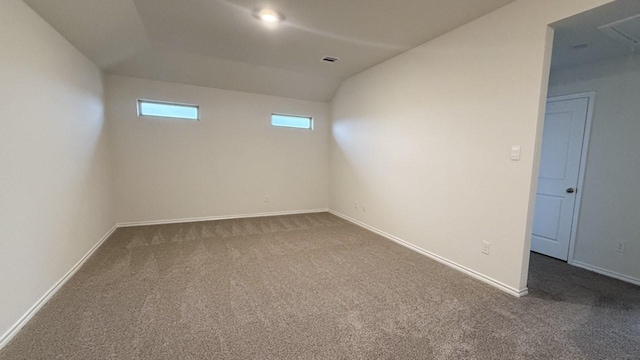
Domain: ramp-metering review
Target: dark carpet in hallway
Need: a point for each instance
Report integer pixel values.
(316, 287)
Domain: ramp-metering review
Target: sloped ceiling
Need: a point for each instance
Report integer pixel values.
(218, 43)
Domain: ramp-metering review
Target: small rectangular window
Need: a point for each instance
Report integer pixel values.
(165, 109)
(298, 122)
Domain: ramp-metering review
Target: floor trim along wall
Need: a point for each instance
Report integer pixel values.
(7, 336)
(223, 217)
(606, 272)
(504, 287)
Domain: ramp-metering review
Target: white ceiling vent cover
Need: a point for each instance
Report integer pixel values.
(626, 30)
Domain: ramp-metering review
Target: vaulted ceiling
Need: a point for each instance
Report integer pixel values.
(218, 43)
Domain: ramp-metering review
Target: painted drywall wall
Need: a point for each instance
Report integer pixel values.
(224, 164)
(610, 206)
(55, 193)
(424, 139)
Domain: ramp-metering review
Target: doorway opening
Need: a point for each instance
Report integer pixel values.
(586, 205)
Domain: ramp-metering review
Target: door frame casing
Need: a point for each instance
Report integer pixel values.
(591, 96)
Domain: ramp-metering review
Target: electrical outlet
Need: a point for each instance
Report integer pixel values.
(364, 207)
(355, 205)
(266, 198)
(486, 248)
(622, 247)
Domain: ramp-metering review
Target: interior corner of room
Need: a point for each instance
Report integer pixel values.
(497, 139)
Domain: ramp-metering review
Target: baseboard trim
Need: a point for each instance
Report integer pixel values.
(605, 272)
(13, 330)
(495, 283)
(222, 217)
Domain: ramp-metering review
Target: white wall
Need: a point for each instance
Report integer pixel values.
(423, 139)
(55, 195)
(223, 164)
(610, 206)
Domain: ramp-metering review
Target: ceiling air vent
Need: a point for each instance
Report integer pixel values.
(626, 30)
(330, 59)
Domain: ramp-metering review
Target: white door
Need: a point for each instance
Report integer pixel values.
(563, 136)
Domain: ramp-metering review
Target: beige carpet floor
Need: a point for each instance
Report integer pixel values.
(316, 287)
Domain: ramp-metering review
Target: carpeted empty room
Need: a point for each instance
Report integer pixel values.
(315, 286)
(340, 179)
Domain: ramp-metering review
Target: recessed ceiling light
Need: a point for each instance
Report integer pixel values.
(269, 16)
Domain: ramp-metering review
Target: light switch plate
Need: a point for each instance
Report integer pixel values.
(515, 153)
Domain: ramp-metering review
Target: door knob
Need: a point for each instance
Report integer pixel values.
(571, 190)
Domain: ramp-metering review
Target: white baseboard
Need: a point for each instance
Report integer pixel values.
(609, 273)
(9, 334)
(504, 287)
(13, 330)
(222, 217)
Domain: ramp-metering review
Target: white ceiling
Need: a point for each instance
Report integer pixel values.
(583, 29)
(218, 43)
